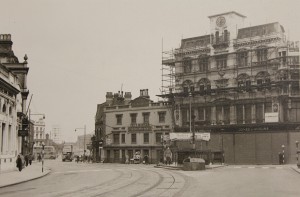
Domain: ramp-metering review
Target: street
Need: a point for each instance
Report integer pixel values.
(86, 179)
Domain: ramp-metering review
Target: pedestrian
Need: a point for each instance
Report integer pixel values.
(126, 159)
(30, 158)
(26, 160)
(39, 158)
(77, 158)
(19, 163)
(146, 159)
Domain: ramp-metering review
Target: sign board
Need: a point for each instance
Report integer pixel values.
(108, 141)
(197, 160)
(22, 133)
(188, 136)
(271, 117)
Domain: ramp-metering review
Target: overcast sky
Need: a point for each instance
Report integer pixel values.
(79, 50)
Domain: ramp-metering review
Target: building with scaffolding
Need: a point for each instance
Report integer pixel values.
(241, 85)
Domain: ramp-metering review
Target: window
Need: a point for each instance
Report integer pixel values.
(41, 136)
(161, 117)
(4, 108)
(146, 117)
(158, 138)
(36, 136)
(262, 55)
(123, 138)
(203, 64)
(119, 119)
(239, 114)
(133, 118)
(201, 113)
(133, 138)
(295, 111)
(259, 113)
(146, 138)
(187, 66)
(221, 61)
(242, 59)
(116, 139)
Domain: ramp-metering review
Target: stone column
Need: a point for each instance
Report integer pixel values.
(253, 112)
(243, 114)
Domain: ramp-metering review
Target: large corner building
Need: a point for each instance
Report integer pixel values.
(241, 85)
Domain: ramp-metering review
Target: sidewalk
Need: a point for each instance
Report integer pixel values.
(295, 168)
(30, 172)
(179, 167)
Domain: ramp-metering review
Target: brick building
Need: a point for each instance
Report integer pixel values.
(241, 85)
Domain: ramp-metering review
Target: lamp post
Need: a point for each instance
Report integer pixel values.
(298, 154)
(84, 128)
(282, 154)
(43, 151)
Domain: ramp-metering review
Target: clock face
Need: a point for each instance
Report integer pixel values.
(221, 21)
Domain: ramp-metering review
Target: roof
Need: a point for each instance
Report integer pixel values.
(232, 12)
(199, 41)
(260, 30)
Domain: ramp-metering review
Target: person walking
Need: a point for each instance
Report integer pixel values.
(19, 163)
(126, 159)
(26, 160)
(39, 158)
(30, 158)
(77, 158)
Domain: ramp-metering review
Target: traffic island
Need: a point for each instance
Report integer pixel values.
(193, 164)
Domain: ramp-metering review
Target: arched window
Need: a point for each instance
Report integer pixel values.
(244, 82)
(4, 108)
(188, 86)
(204, 85)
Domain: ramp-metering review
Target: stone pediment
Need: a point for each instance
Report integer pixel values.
(140, 102)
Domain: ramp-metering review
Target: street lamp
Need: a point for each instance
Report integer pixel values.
(282, 153)
(84, 128)
(298, 154)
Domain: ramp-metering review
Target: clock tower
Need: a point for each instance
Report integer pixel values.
(223, 28)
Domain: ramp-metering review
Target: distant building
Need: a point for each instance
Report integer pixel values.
(55, 134)
(13, 96)
(39, 132)
(83, 141)
(130, 126)
(240, 85)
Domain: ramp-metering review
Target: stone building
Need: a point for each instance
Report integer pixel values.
(130, 126)
(241, 85)
(13, 96)
(39, 132)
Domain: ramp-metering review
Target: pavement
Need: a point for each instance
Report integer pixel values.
(29, 173)
(179, 167)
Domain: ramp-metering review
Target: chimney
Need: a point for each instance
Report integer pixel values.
(5, 42)
(127, 97)
(109, 98)
(144, 93)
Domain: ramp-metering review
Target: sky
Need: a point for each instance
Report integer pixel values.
(80, 49)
